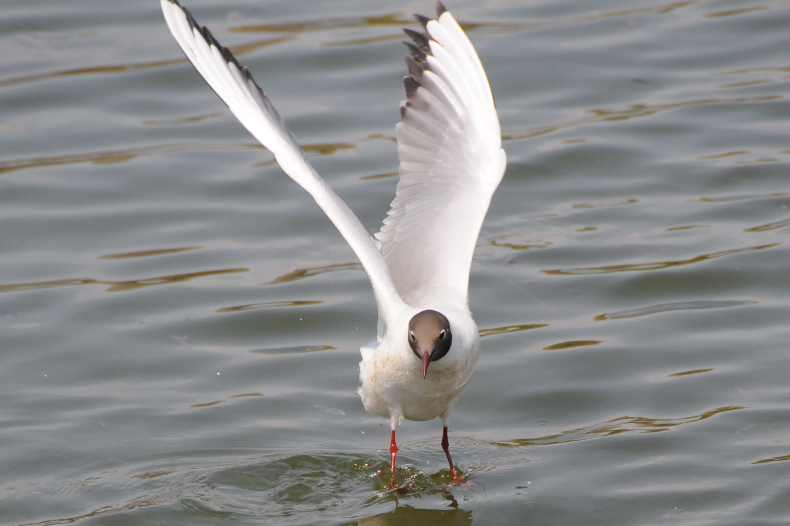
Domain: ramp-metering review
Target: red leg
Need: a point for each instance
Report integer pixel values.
(393, 452)
(446, 447)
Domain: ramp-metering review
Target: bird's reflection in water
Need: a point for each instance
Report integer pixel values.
(419, 517)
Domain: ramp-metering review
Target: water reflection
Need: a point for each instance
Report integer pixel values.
(217, 402)
(148, 253)
(125, 68)
(185, 120)
(631, 112)
(571, 344)
(688, 373)
(669, 307)
(270, 304)
(108, 157)
(327, 148)
(320, 148)
(660, 265)
(734, 12)
(152, 475)
(744, 83)
(120, 156)
(725, 154)
(510, 328)
(782, 458)
(378, 176)
(769, 226)
(119, 286)
(616, 426)
(606, 205)
(686, 227)
(760, 160)
(400, 20)
(208, 404)
(419, 517)
(302, 273)
(731, 198)
(120, 68)
(751, 70)
(298, 349)
(521, 243)
(116, 156)
(393, 19)
(104, 510)
(374, 136)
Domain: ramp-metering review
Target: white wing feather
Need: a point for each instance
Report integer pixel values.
(451, 161)
(235, 86)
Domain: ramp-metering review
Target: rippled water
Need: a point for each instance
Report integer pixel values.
(180, 324)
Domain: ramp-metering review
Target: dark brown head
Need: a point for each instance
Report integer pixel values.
(429, 337)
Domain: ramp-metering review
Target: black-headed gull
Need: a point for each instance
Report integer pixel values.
(451, 161)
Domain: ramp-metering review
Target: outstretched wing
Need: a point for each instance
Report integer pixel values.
(451, 161)
(235, 86)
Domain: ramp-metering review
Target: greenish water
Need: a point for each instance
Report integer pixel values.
(180, 324)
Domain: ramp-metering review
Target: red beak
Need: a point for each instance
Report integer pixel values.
(426, 360)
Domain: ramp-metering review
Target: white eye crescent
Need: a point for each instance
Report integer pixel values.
(442, 334)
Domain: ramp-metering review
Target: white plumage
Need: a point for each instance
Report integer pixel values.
(451, 161)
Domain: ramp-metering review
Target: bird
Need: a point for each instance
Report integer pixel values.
(451, 162)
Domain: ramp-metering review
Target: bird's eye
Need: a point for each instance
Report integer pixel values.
(412, 336)
(442, 335)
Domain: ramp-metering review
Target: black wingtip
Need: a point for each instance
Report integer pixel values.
(191, 19)
(415, 68)
(225, 52)
(423, 20)
(411, 85)
(440, 9)
(209, 38)
(421, 40)
(416, 53)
